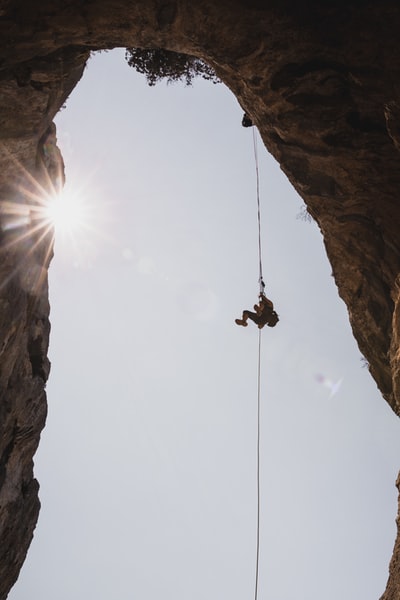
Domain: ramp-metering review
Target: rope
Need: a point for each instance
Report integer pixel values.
(258, 465)
(260, 270)
(262, 286)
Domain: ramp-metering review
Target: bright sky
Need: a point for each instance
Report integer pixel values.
(147, 462)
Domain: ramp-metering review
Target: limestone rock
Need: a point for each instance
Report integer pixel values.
(318, 79)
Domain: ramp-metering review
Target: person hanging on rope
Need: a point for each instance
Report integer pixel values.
(264, 315)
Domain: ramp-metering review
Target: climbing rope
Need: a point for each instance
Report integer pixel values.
(258, 465)
(260, 270)
(262, 286)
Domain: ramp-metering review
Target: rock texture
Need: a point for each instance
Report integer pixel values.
(320, 81)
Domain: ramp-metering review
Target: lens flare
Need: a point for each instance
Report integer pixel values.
(328, 383)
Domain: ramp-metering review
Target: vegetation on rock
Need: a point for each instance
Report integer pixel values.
(158, 64)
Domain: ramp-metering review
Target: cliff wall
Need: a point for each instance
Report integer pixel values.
(320, 81)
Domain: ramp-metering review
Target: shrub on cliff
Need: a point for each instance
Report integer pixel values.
(158, 64)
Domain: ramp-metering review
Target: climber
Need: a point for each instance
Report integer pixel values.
(264, 315)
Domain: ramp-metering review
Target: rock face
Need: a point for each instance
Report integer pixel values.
(320, 81)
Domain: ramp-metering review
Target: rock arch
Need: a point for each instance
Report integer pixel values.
(320, 82)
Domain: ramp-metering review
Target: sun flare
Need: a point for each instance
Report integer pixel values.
(65, 222)
(66, 212)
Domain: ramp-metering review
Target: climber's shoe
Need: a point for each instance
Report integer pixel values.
(241, 322)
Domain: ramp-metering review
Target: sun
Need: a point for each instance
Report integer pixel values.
(42, 219)
(70, 222)
(76, 224)
(67, 212)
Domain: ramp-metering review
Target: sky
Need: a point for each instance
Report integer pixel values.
(147, 464)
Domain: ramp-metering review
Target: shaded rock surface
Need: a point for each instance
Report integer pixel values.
(320, 81)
